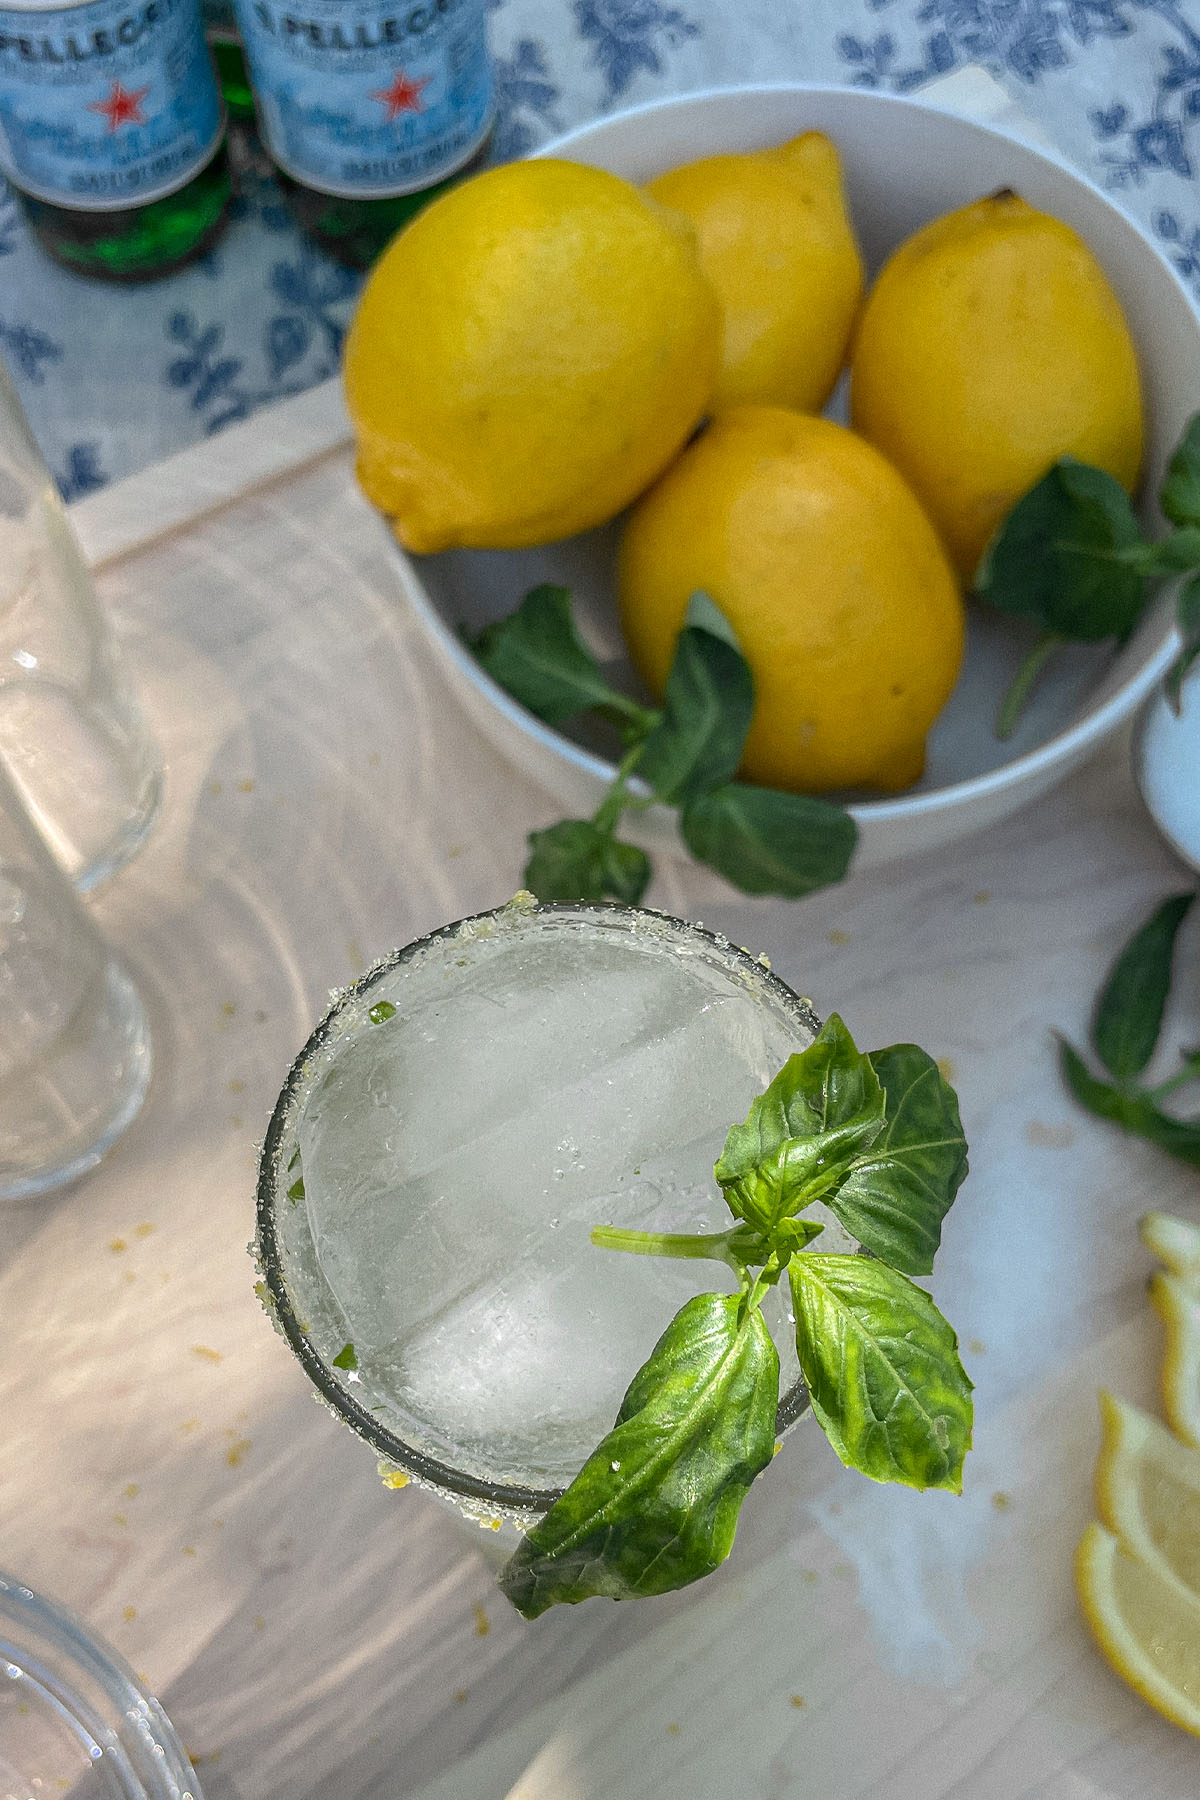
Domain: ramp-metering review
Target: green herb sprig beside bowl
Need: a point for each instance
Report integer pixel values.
(1125, 1030)
(684, 753)
(1072, 557)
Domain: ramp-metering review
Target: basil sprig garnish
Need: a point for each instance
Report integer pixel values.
(687, 753)
(877, 1140)
(1071, 555)
(1126, 1026)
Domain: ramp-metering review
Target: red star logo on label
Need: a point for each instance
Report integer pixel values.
(123, 107)
(402, 96)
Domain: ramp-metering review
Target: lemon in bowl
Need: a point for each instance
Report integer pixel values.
(777, 244)
(836, 586)
(991, 344)
(527, 356)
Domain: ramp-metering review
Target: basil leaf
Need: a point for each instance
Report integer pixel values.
(656, 1504)
(538, 657)
(704, 613)
(1133, 1112)
(1174, 555)
(882, 1369)
(826, 1085)
(1097, 1096)
(1180, 1138)
(1129, 1010)
(768, 842)
(707, 708)
(800, 1172)
(803, 1132)
(1187, 614)
(1063, 556)
(1180, 496)
(578, 860)
(898, 1192)
(791, 1235)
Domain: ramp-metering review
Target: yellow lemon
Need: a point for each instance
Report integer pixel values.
(527, 356)
(1175, 1295)
(990, 345)
(1177, 1303)
(777, 245)
(1147, 1624)
(832, 578)
(1148, 1491)
(1175, 1241)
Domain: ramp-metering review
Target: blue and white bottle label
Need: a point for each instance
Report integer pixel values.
(364, 99)
(107, 104)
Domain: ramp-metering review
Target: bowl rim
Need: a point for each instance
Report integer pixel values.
(1059, 751)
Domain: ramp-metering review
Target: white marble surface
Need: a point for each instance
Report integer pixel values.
(315, 1635)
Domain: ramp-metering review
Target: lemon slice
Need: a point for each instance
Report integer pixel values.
(1147, 1625)
(1176, 1242)
(1177, 1304)
(1148, 1492)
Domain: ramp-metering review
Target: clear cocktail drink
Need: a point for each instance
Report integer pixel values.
(454, 1129)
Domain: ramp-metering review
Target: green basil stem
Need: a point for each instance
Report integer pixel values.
(1191, 1072)
(633, 718)
(1013, 704)
(618, 797)
(715, 1246)
(766, 1278)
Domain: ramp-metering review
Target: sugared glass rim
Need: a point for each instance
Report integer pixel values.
(504, 1496)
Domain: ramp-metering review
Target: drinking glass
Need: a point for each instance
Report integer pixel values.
(74, 1718)
(71, 733)
(74, 1042)
(455, 1127)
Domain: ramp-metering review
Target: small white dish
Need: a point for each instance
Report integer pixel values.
(1166, 761)
(904, 163)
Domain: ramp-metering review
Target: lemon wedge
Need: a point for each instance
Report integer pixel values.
(1175, 1294)
(1148, 1492)
(1176, 1242)
(1177, 1302)
(1146, 1623)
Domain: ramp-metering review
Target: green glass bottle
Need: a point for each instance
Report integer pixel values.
(368, 109)
(220, 28)
(113, 132)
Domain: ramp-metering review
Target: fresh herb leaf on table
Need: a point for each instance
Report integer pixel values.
(1071, 555)
(877, 1140)
(1126, 1025)
(686, 752)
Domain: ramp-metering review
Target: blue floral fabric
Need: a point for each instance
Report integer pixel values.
(114, 378)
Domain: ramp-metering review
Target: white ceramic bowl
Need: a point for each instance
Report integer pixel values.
(904, 163)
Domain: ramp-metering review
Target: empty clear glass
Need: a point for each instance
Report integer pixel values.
(74, 1718)
(71, 733)
(74, 1042)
